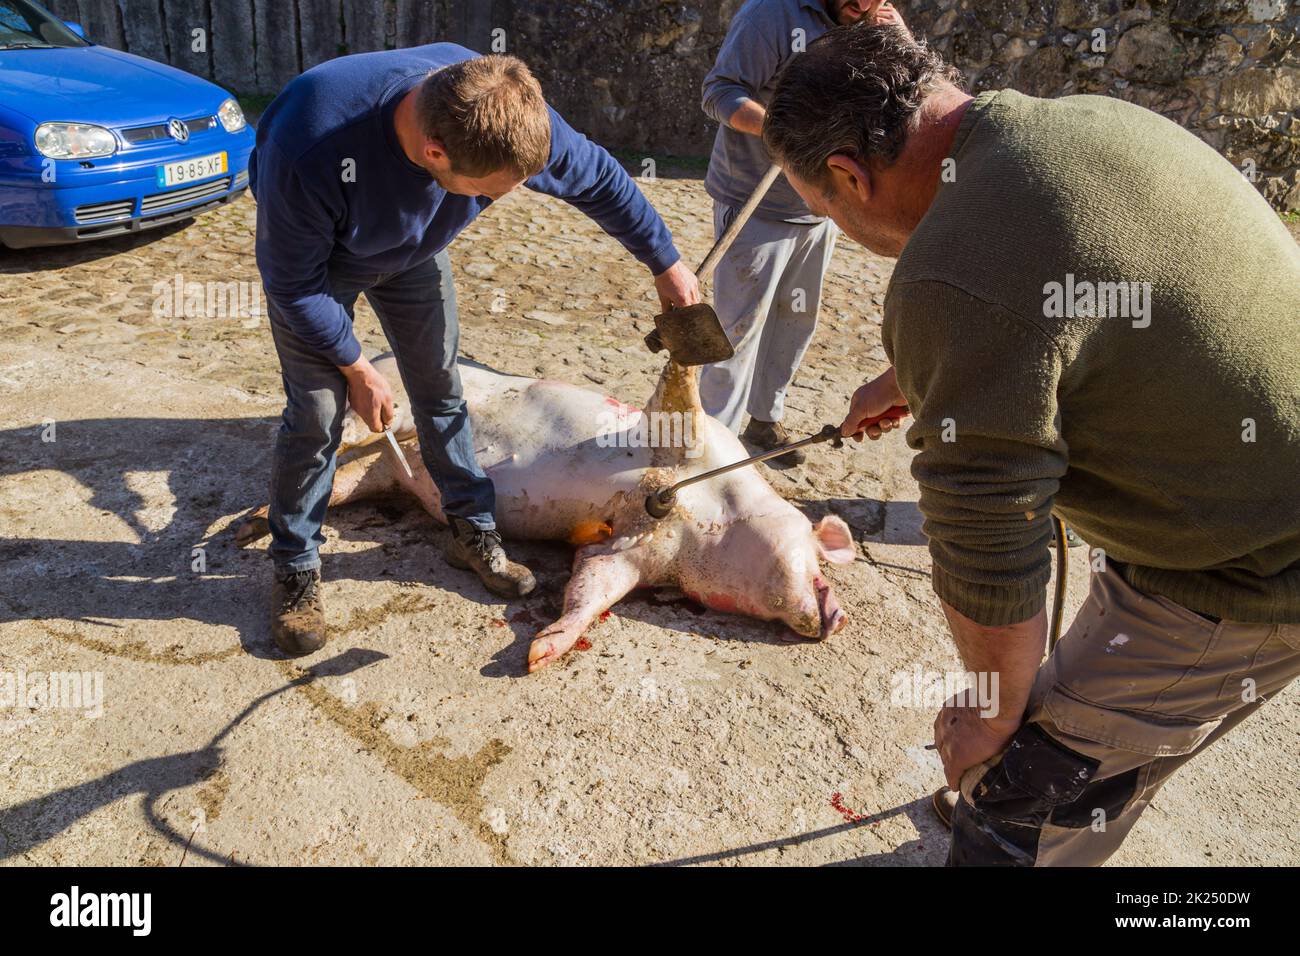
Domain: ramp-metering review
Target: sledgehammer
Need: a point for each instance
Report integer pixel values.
(693, 335)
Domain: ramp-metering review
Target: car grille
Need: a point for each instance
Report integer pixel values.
(187, 195)
(117, 209)
(147, 134)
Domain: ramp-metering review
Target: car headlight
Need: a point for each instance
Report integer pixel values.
(74, 141)
(231, 116)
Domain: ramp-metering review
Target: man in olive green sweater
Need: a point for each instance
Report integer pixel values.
(1093, 313)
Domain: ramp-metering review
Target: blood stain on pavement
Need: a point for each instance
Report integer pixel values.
(850, 816)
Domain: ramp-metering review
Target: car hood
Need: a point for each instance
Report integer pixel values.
(98, 85)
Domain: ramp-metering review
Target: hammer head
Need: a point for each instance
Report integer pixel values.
(692, 335)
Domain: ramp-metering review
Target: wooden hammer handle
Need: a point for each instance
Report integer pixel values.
(729, 236)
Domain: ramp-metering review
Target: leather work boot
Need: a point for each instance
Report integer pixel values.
(298, 613)
(768, 435)
(944, 802)
(480, 551)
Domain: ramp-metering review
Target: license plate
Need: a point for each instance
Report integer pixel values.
(191, 170)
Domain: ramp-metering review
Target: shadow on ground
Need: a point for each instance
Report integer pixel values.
(53, 258)
(213, 468)
(932, 845)
(218, 467)
(48, 815)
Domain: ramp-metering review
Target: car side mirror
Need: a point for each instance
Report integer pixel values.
(75, 28)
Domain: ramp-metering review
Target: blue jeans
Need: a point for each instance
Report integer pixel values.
(417, 309)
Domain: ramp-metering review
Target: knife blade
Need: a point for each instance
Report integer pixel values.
(397, 450)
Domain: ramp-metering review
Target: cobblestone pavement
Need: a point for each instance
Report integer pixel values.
(414, 737)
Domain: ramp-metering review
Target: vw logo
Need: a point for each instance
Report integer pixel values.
(180, 132)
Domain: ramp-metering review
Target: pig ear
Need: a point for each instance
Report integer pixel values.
(834, 540)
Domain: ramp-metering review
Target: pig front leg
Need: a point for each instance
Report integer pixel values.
(601, 578)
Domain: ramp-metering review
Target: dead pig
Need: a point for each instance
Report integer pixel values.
(732, 543)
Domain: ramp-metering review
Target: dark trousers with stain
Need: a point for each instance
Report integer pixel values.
(1138, 686)
(417, 309)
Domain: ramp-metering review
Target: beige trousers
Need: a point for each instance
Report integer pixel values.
(1137, 687)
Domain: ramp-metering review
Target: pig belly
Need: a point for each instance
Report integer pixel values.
(552, 452)
(560, 469)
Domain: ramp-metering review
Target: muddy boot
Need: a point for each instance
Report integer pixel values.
(768, 435)
(298, 613)
(944, 802)
(481, 552)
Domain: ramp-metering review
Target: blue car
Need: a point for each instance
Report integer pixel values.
(95, 142)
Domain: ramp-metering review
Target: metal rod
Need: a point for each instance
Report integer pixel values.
(660, 503)
(826, 434)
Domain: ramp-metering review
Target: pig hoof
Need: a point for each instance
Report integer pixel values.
(548, 648)
(253, 528)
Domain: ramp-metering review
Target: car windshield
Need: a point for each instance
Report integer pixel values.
(25, 26)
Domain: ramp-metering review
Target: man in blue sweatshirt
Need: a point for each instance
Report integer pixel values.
(366, 168)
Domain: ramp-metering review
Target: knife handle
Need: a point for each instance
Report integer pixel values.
(898, 411)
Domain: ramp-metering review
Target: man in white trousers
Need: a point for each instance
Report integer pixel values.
(767, 288)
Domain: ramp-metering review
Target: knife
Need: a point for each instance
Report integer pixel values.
(397, 450)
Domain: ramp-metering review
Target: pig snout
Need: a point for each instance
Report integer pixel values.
(818, 615)
(832, 615)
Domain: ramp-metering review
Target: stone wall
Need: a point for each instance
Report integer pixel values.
(628, 72)
(1229, 70)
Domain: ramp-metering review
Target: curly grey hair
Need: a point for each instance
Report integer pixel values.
(855, 91)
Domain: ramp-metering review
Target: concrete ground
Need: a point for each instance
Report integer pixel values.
(131, 440)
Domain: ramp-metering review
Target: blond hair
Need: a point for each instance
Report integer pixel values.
(489, 114)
